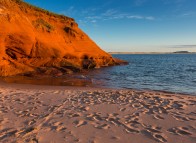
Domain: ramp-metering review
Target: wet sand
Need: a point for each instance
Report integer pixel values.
(46, 114)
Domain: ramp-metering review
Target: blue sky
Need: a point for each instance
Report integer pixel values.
(132, 25)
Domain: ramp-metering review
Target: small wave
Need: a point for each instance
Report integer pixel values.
(191, 70)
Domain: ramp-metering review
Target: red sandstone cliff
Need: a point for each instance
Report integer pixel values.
(35, 40)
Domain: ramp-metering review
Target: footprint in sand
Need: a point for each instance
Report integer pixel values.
(192, 113)
(7, 133)
(57, 126)
(79, 123)
(56, 92)
(130, 130)
(113, 114)
(103, 126)
(114, 121)
(25, 131)
(122, 109)
(31, 122)
(179, 105)
(132, 122)
(97, 118)
(89, 117)
(179, 131)
(159, 137)
(181, 118)
(61, 128)
(158, 117)
(192, 102)
(72, 115)
(153, 130)
(137, 105)
(83, 108)
(94, 117)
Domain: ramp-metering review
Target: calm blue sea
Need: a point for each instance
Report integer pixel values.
(166, 72)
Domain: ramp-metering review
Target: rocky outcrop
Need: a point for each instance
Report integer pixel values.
(35, 40)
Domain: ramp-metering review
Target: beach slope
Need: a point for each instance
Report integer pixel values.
(61, 114)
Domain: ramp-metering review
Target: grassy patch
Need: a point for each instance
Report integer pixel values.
(40, 23)
(70, 31)
(21, 3)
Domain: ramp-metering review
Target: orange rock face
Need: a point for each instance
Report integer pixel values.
(35, 40)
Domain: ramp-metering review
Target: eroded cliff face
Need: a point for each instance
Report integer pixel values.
(35, 40)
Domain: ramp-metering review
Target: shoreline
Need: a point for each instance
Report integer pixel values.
(100, 115)
(41, 86)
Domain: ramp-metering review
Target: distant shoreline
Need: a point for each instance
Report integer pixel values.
(137, 53)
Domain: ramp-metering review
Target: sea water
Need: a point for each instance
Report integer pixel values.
(165, 72)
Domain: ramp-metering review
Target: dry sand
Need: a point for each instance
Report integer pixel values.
(45, 114)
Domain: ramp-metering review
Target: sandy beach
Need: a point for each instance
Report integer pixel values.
(45, 114)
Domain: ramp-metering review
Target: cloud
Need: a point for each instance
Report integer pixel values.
(188, 14)
(89, 10)
(71, 11)
(109, 12)
(115, 15)
(94, 21)
(94, 15)
(150, 18)
(135, 17)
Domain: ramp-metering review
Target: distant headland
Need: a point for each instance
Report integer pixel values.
(182, 52)
(177, 52)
